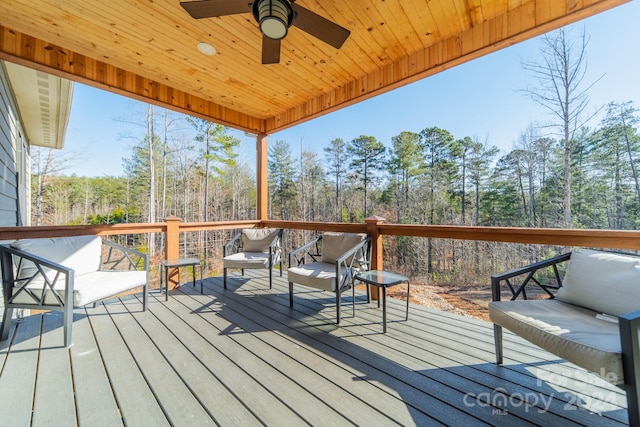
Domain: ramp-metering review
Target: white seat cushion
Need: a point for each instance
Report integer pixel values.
(247, 260)
(319, 275)
(90, 287)
(568, 331)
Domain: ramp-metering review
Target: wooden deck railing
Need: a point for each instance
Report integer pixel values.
(374, 226)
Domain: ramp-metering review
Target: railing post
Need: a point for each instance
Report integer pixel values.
(262, 159)
(376, 246)
(172, 248)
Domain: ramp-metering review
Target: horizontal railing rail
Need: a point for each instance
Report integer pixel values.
(31, 232)
(317, 226)
(612, 239)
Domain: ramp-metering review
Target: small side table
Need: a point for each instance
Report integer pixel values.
(384, 279)
(166, 264)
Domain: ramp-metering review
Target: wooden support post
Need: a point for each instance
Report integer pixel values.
(262, 158)
(172, 248)
(376, 247)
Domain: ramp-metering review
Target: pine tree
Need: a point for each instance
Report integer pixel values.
(367, 157)
(405, 164)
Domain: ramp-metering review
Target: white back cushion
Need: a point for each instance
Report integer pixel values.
(82, 253)
(336, 244)
(602, 281)
(258, 239)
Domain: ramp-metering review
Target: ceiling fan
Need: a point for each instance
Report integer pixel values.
(274, 18)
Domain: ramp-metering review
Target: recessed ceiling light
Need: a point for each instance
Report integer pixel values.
(206, 48)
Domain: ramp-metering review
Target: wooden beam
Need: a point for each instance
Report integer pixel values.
(530, 19)
(49, 58)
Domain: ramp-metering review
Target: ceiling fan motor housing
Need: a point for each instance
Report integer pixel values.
(274, 17)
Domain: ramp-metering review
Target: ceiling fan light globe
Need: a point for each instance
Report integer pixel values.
(273, 28)
(274, 18)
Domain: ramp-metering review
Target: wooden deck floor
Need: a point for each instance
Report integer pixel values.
(243, 357)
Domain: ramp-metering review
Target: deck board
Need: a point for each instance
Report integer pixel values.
(258, 359)
(55, 381)
(180, 406)
(224, 360)
(345, 391)
(366, 367)
(96, 405)
(18, 374)
(193, 359)
(135, 398)
(242, 356)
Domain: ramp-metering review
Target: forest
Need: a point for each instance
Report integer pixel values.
(561, 173)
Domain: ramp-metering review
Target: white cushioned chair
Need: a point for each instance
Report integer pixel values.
(329, 263)
(252, 248)
(61, 273)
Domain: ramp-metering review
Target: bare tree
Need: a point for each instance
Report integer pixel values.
(336, 156)
(561, 89)
(45, 164)
(219, 150)
(529, 161)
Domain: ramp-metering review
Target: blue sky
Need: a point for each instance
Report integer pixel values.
(480, 99)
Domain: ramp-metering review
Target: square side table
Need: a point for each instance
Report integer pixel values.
(384, 279)
(166, 264)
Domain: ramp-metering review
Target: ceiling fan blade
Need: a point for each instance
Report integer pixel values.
(213, 8)
(270, 50)
(319, 27)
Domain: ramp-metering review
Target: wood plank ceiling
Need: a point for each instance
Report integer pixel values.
(146, 49)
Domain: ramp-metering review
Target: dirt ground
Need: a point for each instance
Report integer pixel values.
(470, 300)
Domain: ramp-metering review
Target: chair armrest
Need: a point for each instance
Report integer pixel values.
(275, 248)
(122, 256)
(276, 240)
(12, 260)
(232, 245)
(629, 325)
(298, 255)
(364, 260)
(530, 271)
(359, 254)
